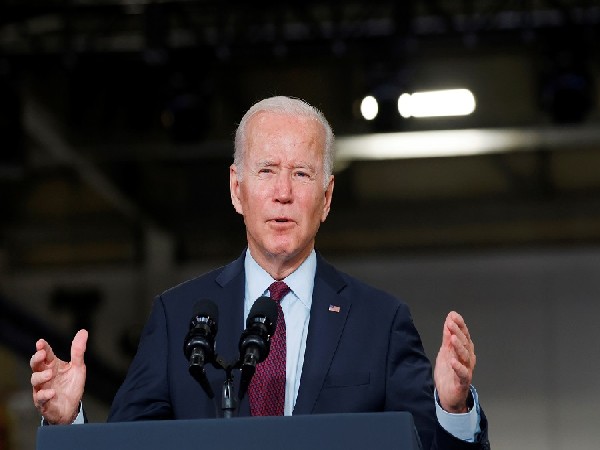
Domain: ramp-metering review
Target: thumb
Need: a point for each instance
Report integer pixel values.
(78, 347)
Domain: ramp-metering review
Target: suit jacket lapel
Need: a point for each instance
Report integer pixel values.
(324, 332)
(231, 308)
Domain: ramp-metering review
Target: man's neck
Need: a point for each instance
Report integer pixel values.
(280, 266)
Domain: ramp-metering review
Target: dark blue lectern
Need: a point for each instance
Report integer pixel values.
(390, 430)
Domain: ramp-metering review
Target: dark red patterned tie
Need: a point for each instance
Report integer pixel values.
(267, 388)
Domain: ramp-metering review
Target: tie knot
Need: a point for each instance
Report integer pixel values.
(278, 290)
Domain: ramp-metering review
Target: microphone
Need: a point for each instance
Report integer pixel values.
(255, 341)
(199, 343)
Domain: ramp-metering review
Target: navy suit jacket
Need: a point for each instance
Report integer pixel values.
(367, 357)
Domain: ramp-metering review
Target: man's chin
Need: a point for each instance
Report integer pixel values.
(283, 248)
(281, 252)
(284, 251)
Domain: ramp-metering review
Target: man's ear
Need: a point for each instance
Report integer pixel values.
(328, 198)
(234, 189)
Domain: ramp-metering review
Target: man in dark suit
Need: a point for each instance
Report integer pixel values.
(348, 347)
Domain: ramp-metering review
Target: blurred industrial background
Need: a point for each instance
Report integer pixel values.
(116, 125)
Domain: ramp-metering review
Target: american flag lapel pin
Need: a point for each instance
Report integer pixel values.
(334, 308)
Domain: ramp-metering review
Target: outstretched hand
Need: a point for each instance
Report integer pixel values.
(454, 365)
(58, 385)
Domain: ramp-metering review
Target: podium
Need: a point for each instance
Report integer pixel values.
(386, 430)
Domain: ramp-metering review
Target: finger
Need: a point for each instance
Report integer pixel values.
(461, 352)
(38, 361)
(461, 333)
(78, 347)
(43, 396)
(39, 378)
(42, 345)
(464, 355)
(462, 373)
(459, 321)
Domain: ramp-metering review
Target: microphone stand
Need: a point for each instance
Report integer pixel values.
(229, 402)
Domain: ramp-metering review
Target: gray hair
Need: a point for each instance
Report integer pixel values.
(291, 106)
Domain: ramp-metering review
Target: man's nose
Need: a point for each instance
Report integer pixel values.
(283, 187)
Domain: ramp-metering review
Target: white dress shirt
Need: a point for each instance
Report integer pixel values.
(296, 310)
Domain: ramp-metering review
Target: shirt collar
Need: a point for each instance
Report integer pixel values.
(301, 281)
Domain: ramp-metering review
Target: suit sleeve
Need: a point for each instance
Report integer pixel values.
(145, 392)
(410, 387)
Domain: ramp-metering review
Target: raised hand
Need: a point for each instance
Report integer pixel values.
(58, 385)
(454, 365)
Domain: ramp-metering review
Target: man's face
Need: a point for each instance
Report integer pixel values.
(282, 195)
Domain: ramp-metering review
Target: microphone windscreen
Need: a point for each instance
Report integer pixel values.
(265, 307)
(206, 308)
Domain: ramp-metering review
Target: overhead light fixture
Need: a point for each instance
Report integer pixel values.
(442, 103)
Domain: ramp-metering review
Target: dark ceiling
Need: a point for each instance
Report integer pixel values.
(117, 117)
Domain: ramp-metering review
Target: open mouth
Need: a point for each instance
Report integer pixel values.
(281, 220)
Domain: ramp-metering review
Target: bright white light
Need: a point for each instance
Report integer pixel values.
(446, 143)
(449, 102)
(369, 107)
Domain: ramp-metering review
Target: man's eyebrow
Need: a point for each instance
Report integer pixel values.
(265, 163)
(300, 165)
(305, 165)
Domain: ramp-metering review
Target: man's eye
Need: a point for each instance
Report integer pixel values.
(301, 174)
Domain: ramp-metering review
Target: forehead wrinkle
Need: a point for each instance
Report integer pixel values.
(278, 137)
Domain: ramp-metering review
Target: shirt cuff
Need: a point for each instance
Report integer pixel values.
(462, 426)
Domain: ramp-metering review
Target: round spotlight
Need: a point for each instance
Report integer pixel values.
(369, 107)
